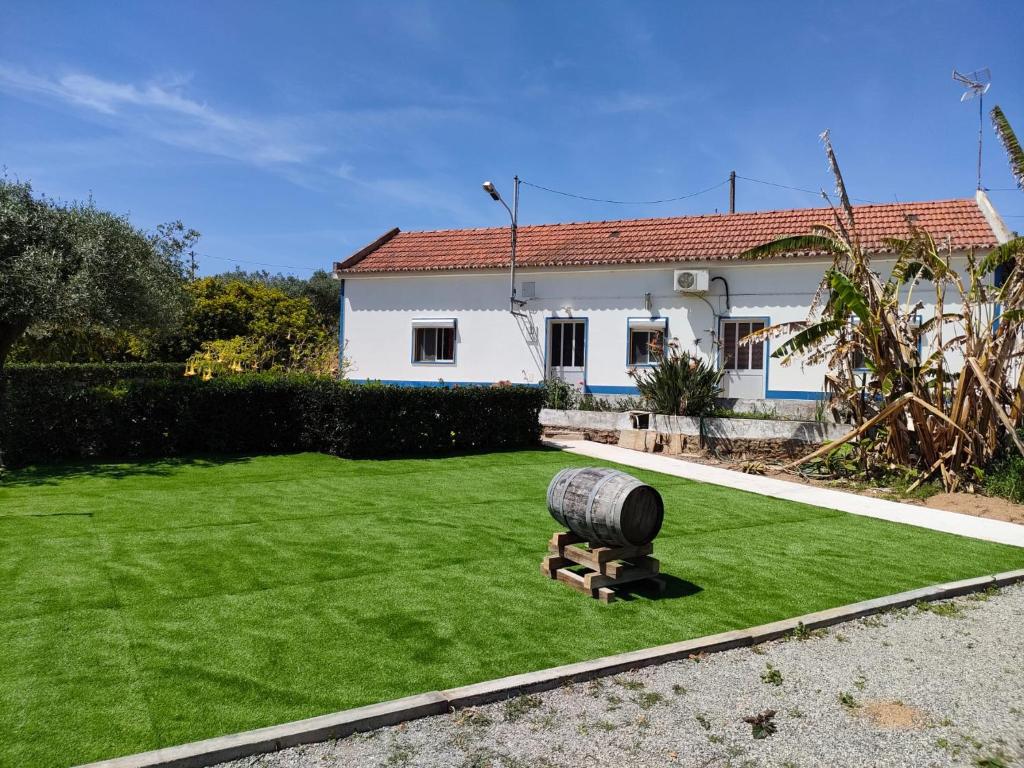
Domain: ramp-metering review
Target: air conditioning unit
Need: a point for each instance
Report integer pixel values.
(690, 281)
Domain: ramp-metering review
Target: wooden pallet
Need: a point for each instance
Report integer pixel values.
(604, 567)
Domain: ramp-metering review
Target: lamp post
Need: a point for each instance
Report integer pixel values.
(513, 213)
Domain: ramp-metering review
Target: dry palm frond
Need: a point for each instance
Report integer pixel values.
(909, 408)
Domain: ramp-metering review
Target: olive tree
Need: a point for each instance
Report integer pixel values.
(75, 266)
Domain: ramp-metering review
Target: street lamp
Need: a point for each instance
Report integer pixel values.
(513, 213)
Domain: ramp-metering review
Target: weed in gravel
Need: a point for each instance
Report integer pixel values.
(595, 688)
(400, 755)
(802, 632)
(629, 685)
(472, 716)
(758, 649)
(703, 720)
(873, 621)
(771, 675)
(789, 764)
(943, 608)
(860, 683)
(795, 712)
(841, 638)
(762, 725)
(520, 706)
(847, 700)
(714, 738)
(613, 702)
(545, 722)
(997, 760)
(679, 690)
(605, 725)
(481, 757)
(980, 597)
(643, 722)
(649, 699)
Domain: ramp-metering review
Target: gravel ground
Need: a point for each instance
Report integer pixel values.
(937, 685)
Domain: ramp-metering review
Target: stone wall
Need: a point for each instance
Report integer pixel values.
(677, 435)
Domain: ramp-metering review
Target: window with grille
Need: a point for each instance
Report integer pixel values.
(737, 356)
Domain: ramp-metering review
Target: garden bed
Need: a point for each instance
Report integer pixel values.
(156, 603)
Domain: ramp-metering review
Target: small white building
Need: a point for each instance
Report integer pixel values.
(432, 308)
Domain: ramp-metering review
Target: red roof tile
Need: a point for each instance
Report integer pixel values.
(649, 241)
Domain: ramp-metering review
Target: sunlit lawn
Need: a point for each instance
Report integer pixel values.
(151, 604)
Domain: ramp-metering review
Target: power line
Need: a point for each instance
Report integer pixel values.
(625, 202)
(798, 189)
(259, 263)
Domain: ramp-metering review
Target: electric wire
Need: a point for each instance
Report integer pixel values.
(818, 193)
(257, 263)
(624, 202)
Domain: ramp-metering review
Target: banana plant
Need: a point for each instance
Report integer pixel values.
(942, 394)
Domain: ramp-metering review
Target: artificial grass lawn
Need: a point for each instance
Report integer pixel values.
(151, 604)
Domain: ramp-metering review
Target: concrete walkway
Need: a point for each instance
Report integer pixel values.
(923, 517)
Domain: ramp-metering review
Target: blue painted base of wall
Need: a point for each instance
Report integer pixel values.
(593, 389)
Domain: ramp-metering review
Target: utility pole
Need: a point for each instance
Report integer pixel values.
(732, 191)
(192, 265)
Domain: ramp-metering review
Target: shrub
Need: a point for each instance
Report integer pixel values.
(679, 385)
(1006, 478)
(259, 413)
(29, 375)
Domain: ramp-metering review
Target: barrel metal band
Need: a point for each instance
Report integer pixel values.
(570, 475)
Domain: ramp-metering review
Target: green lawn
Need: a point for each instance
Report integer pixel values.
(145, 605)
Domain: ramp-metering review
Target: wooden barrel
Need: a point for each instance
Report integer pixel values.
(605, 506)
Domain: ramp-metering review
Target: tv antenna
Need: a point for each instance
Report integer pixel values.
(976, 84)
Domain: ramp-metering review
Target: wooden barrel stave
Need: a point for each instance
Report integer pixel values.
(605, 506)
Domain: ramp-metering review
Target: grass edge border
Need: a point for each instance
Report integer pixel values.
(209, 752)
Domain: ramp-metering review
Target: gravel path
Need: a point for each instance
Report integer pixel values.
(938, 685)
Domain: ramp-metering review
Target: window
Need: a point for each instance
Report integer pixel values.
(646, 340)
(737, 356)
(433, 341)
(567, 345)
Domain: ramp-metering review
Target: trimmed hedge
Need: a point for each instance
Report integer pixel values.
(88, 374)
(54, 420)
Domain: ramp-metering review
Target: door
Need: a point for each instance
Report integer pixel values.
(743, 364)
(567, 352)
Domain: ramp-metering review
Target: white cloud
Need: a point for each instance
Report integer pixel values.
(165, 113)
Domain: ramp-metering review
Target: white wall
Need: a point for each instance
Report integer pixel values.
(493, 345)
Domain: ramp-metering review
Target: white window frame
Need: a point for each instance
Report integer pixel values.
(646, 325)
(422, 325)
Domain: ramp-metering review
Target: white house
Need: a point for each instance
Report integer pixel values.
(425, 308)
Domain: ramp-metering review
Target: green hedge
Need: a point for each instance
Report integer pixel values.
(55, 420)
(88, 374)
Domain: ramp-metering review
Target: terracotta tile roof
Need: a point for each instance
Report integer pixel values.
(649, 241)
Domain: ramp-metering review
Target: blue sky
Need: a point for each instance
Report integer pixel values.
(292, 134)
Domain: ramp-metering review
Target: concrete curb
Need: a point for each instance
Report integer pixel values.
(200, 754)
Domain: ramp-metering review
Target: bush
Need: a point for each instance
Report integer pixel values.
(1005, 478)
(679, 385)
(29, 375)
(259, 413)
